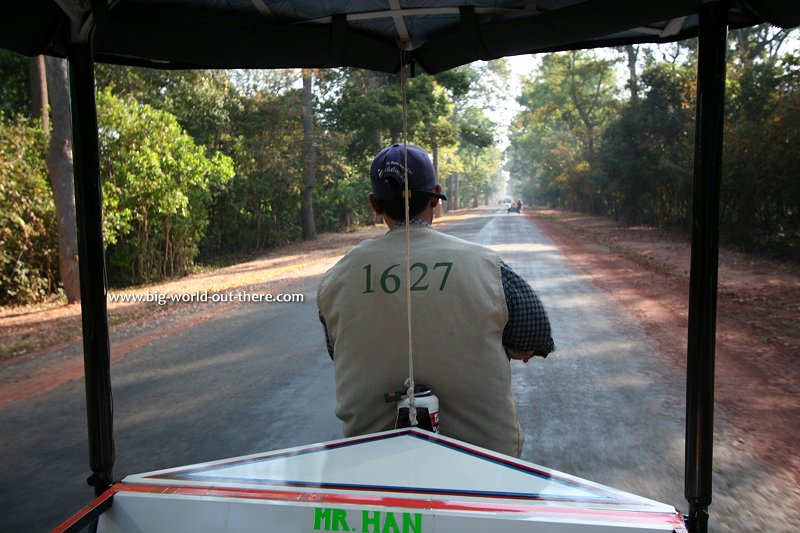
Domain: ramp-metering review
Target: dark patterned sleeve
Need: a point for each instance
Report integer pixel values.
(528, 328)
(327, 337)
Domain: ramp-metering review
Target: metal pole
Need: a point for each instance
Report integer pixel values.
(88, 204)
(704, 262)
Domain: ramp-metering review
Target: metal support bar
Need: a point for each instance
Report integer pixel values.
(88, 204)
(704, 263)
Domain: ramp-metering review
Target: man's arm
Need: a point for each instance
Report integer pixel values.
(327, 337)
(527, 332)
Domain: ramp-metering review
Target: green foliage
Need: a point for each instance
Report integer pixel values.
(28, 246)
(366, 107)
(199, 165)
(479, 160)
(575, 146)
(566, 107)
(14, 83)
(260, 207)
(257, 122)
(341, 190)
(157, 188)
(428, 112)
(201, 100)
(647, 152)
(761, 196)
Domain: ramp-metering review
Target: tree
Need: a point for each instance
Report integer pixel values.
(480, 163)
(632, 56)
(309, 159)
(760, 194)
(38, 85)
(589, 88)
(259, 208)
(341, 190)
(647, 151)
(429, 110)
(156, 190)
(24, 89)
(566, 105)
(14, 97)
(201, 100)
(28, 244)
(366, 107)
(473, 92)
(59, 165)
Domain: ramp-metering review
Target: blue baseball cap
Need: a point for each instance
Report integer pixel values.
(388, 171)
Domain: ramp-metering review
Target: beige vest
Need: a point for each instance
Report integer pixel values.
(458, 315)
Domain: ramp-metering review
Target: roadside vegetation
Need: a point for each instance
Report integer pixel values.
(582, 144)
(202, 168)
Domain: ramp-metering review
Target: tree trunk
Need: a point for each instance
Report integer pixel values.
(309, 161)
(37, 79)
(59, 165)
(454, 202)
(439, 210)
(633, 80)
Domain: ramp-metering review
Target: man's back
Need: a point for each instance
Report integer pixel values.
(458, 314)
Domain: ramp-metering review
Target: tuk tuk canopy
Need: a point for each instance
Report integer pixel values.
(436, 34)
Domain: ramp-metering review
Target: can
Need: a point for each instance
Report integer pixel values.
(427, 404)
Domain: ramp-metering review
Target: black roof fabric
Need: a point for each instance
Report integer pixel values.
(437, 34)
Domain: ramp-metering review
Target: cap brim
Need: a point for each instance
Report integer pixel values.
(413, 192)
(431, 193)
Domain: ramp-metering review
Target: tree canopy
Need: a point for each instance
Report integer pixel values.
(204, 166)
(591, 137)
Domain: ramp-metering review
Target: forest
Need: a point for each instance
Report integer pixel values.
(204, 168)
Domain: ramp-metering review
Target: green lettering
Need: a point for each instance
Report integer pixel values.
(386, 278)
(409, 526)
(390, 282)
(319, 515)
(374, 520)
(340, 519)
(448, 266)
(423, 271)
(390, 523)
(368, 268)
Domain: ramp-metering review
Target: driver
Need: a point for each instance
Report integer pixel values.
(470, 313)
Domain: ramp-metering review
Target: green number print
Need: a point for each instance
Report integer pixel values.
(423, 271)
(393, 278)
(446, 272)
(391, 283)
(369, 289)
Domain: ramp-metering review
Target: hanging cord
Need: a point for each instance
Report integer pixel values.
(409, 383)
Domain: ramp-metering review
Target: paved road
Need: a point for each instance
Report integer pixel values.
(258, 378)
